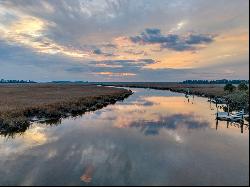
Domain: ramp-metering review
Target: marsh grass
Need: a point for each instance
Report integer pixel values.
(208, 90)
(20, 103)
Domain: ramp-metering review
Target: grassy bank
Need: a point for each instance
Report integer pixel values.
(237, 100)
(207, 90)
(20, 104)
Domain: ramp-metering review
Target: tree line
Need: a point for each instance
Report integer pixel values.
(16, 81)
(223, 81)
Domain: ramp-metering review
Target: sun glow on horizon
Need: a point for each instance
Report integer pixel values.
(79, 35)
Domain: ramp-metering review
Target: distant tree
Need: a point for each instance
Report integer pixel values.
(16, 81)
(242, 86)
(230, 87)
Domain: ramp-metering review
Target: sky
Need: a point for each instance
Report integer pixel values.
(124, 40)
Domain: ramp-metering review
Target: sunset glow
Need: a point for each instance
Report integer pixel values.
(89, 40)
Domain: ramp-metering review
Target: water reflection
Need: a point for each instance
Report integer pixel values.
(172, 122)
(152, 138)
(87, 176)
(242, 126)
(20, 131)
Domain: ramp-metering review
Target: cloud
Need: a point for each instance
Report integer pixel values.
(55, 39)
(153, 31)
(97, 51)
(136, 52)
(172, 41)
(199, 39)
(100, 52)
(110, 45)
(30, 32)
(125, 63)
(114, 74)
(130, 65)
(153, 36)
(118, 67)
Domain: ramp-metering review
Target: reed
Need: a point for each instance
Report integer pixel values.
(20, 104)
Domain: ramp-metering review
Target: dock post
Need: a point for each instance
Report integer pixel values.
(210, 102)
(242, 128)
(217, 109)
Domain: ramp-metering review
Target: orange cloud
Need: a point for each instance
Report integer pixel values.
(114, 74)
(232, 45)
(29, 32)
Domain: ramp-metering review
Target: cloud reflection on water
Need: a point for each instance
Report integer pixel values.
(177, 121)
(154, 137)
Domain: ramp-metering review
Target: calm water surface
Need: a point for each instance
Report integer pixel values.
(152, 138)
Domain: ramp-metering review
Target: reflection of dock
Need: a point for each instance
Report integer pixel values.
(238, 119)
(243, 126)
(230, 116)
(233, 117)
(188, 96)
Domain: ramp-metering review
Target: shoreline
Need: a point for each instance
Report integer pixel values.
(212, 92)
(174, 87)
(18, 121)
